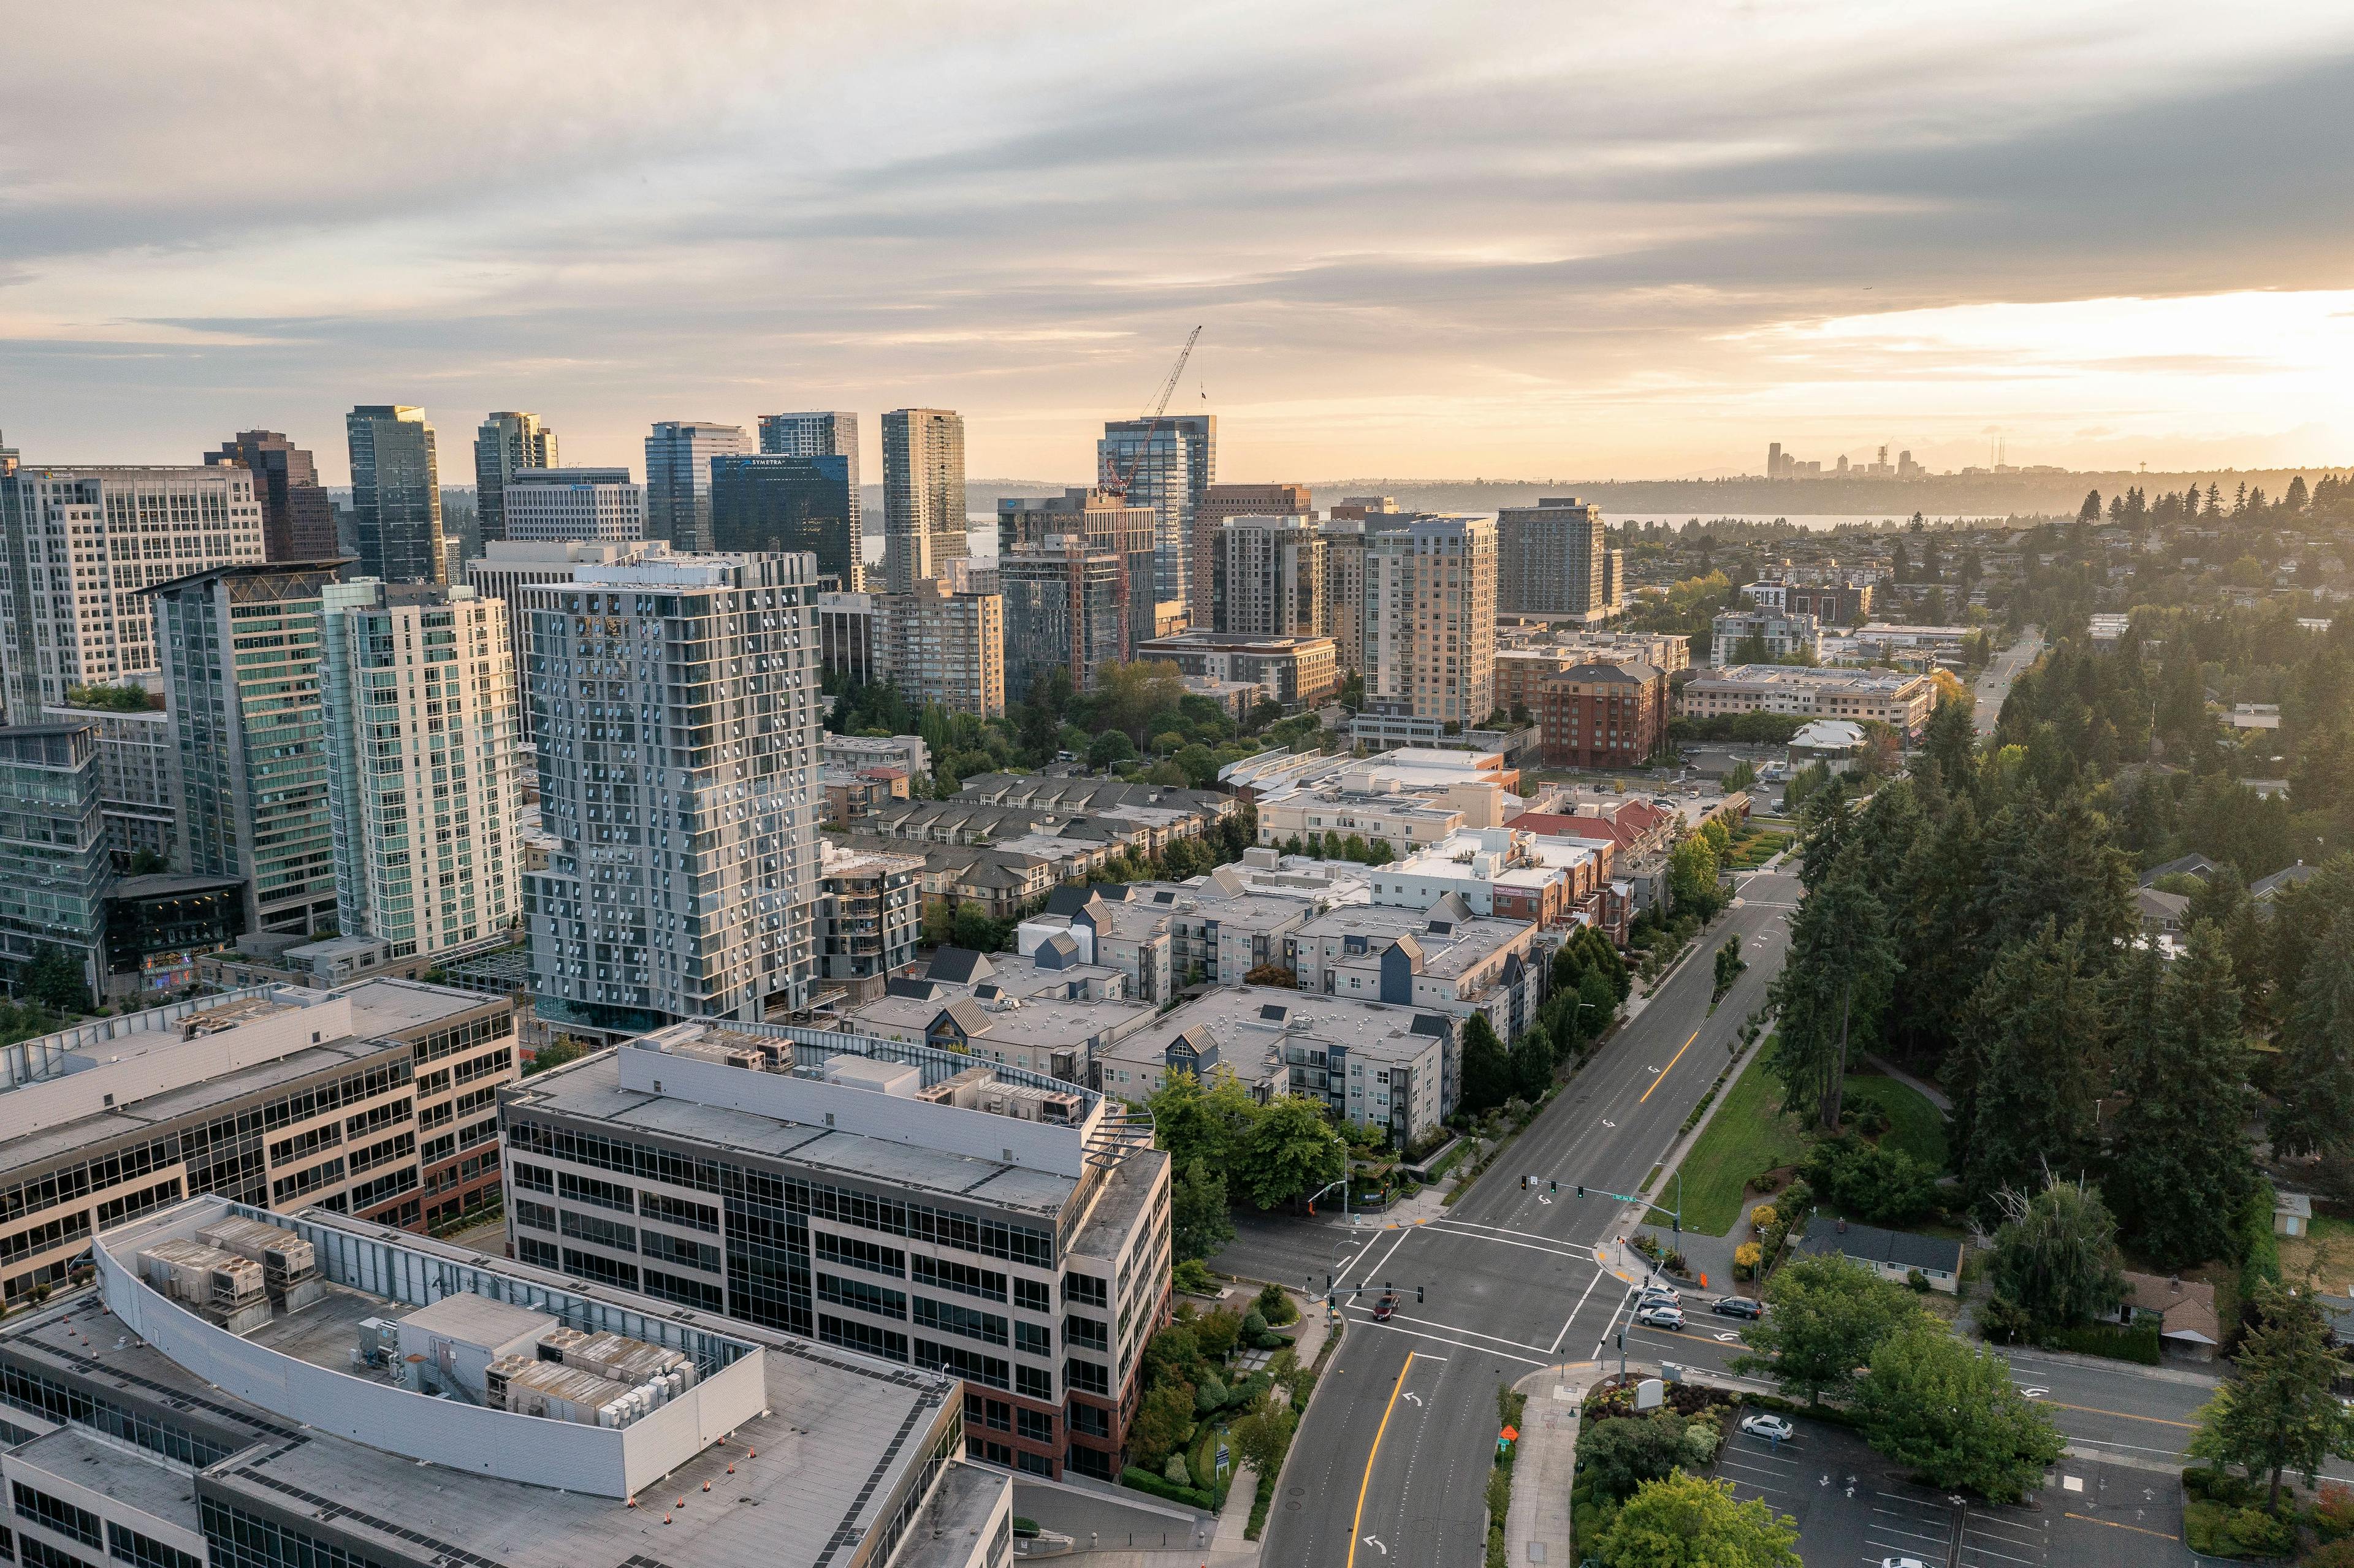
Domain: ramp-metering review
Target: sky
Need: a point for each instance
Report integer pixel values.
(1547, 241)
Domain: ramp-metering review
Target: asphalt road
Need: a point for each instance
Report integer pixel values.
(1994, 682)
(1392, 1466)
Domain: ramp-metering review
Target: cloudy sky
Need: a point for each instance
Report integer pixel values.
(1586, 239)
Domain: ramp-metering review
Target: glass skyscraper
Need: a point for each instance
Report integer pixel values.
(506, 442)
(1169, 465)
(678, 479)
(767, 503)
(396, 494)
(924, 523)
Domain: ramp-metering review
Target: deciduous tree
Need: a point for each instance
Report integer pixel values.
(1291, 1152)
(1829, 1314)
(2056, 1255)
(1200, 1217)
(1950, 1410)
(1689, 1522)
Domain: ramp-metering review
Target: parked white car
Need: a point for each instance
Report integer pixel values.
(1773, 1428)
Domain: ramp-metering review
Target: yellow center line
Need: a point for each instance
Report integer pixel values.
(1670, 1066)
(2120, 1414)
(2113, 1524)
(1357, 1523)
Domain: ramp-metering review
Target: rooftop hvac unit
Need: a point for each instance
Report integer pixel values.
(286, 1259)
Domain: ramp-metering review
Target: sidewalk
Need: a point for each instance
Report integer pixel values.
(1225, 1549)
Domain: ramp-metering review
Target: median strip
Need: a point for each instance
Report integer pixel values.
(1357, 1520)
(1670, 1066)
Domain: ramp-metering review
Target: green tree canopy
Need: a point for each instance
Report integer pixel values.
(1950, 1410)
(1200, 1218)
(1209, 1123)
(2315, 1114)
(2056, 1255)
(1827, 1315)
(1687, 1521)
(1840, 968)
(2025, 1076)
(1619, 1455)
(1291, 1151)
(2279, 1415)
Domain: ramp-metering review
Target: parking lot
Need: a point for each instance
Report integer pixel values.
(1851, 1509)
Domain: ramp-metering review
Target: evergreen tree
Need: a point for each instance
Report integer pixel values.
(1831, 991)
(2023, 1074)
(2181, 1171)
(2279, 1414)
(1949, 748)
(1824, 824)
(1532, 1065)
(1486, 1071)
(1936, 942)
(2316, 1072)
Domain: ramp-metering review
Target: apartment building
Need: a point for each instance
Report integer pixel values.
(678, 773)
(1344, 590)
(1067, 608)
(77, 545)
(1293, 670)
(905, 1202)
(1900, 700)
(1446, 957)
(1275, 578)
(1107, 523)
(1430, 619)
(850, 639)
(1205, 604)
(293, 1390)
(870, 915)
(419, 720)
(1510, 874)
(1521, 673)
(1738, 635)
(241, 667)
(376, 1100)
(924, 523)
(941, 646)
(55, 871)
(1553, 559)
(1603, 714)
(507, 567)
(135, 770)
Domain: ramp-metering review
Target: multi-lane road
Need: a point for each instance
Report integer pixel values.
(1391, 1466)
(1994, 682)
(1395, 1457)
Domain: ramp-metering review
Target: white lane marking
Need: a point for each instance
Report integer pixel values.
(1414, 1396)
(1525, 1238)
(1558, 1250)
(1451, 1328)
(1376, 1540)
(1459, 1344)
(1574, 1311)
(2033, 1393)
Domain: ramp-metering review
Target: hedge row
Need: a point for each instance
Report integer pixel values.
(1146, 1481)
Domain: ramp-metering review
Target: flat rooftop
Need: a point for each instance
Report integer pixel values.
(1464, 944)
(591, 1088)
(1250, 1022)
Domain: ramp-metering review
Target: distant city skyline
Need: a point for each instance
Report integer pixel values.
(1544, 246)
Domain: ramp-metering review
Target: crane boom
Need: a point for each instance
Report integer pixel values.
(1152, 417)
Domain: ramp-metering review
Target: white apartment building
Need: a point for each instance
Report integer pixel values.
(1344, 590)
(944, 647)
(506, 567)
(1430, 619)
(1902, 702)
(604, 505)
(677, 701)
(420, 730)
(1730, 630)
(77, 546)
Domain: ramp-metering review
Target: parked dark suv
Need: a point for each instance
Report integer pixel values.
(1737, 1306)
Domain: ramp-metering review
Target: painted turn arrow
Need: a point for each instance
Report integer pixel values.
(1376, 1542)
(1415, 1397)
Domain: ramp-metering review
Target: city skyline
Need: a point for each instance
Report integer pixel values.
(1532, 249)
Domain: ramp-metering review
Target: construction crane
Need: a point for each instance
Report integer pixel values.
(1151, 419)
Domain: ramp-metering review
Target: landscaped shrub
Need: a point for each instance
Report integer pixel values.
(2139, 1343)
(1276, 1306)
(1176, 1473)
(1146, 1481)
(2217, 1529)
(1872, 1183)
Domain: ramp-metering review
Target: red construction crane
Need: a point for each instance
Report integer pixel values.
(1151, 419)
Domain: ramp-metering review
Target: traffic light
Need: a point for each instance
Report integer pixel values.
(1581, 1189)
(1417, 1295)
(1525, 1183)
(1677, 1220)
(1328, 1284)
(1552, 1186)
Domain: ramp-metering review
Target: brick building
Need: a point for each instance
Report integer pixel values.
(1603, 714)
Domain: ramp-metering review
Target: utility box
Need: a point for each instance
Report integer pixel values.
(290, 1266)
(1650, 1393)
(461, 1335)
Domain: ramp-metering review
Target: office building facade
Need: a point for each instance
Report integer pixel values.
(1206, 605)
(848, 636)
(1553, 559)
(505, 445)
(677, 735)
(134, 774)
(241, 673)
(1106, 523)
(1292, 671)
(830, 433)
(1169, 465)
(77, 545)
(1009, 1228)
(298, 520)
(1066, 607)
(378, 1099)
(770, 503)
(54, 866)
(594, 505)
(1275, 579)
(1430, 619)
(420, 729)
(678, 479)
(396, 494)
(923, 524)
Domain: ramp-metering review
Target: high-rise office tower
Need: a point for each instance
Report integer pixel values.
(677, 707)
(939, 644)
(1274, 577)
(396, 494)
(505, 443)
(1106, 523)
(1344, 589)
(924, 523)
(1553, 559)
(54, 867)
(1218, 503)
(76, 547)
(602, 505)
(1063, 608)
(507, 567)
(1170, 465)
(249, 761)
(1430, 619)
(678, 479)
(769, 504)
(298, 520)
(419, 693)
(826, 434)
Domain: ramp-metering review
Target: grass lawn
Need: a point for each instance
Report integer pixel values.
(1748, 1137)
(2326, 1256)
(1916, 1126)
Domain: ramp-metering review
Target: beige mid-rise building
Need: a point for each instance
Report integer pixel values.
(944, 647)
(1902, 702)
(1275, 578)
(1207, 603)
(1430, 619)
